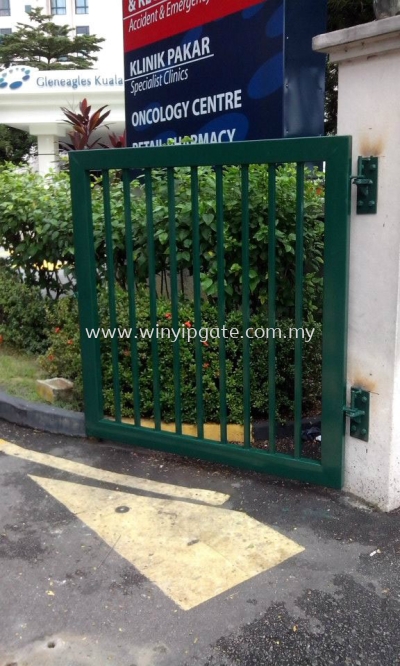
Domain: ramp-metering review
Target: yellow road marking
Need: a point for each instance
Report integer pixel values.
(192, 552)
(80, 469)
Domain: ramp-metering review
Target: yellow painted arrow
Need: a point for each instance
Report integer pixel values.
(137, 483)
(192, 552)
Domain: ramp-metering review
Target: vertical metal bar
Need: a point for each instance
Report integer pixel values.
(246, 307)
(221, 299)
(197, 300)
(85, 261)
(272, 304)
(174, 297)
(298, 362)
(335, 312)
(131, 294)
(153, 296)
(111, 293)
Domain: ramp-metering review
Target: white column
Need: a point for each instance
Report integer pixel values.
(369, 110)
(48, 153)
(48, 137)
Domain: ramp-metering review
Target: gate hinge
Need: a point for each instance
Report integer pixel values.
(366, 182)
(358, 413)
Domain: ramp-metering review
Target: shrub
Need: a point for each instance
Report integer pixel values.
(23, 315)
(63, 358)
(36, 227)
(258, 234)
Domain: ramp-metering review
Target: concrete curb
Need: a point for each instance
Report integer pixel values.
(59, 421)
(41, 417)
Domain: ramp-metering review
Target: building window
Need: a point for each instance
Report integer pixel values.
(82, 30)
(58, 6)
(5, 8)
(4, 31)
(82, 6)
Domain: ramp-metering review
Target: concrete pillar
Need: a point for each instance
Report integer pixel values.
(48, 137)
(48, 153)
(369, 110)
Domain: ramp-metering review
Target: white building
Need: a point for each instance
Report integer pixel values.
(96, 17)
(31, 100)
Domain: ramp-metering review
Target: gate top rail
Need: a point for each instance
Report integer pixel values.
(314, 149)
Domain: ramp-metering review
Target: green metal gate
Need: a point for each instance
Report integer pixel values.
(113, 171)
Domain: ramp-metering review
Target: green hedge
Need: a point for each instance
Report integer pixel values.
(63, 359)
(23, 315)
(34, 324)
(36, 227)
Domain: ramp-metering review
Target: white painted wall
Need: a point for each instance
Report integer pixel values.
(369, 111)
(35, 106)
(104, 20)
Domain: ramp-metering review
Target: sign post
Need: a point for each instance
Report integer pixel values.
(219, 70)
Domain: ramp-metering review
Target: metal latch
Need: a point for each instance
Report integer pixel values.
(358, 413)
(366, 182)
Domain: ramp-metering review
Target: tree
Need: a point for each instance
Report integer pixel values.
(15, 145)
(346, 13)
(341, 14)
(45, 45)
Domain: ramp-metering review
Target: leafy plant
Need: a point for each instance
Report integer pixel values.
(63, 358)
(36, 227)
(285, 223)
(84, 125)
(15, 145)
(23, 315)
(117, 141)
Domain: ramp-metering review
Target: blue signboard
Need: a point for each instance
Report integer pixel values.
(198, 69)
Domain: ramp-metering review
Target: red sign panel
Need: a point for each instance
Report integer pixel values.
(149, 21)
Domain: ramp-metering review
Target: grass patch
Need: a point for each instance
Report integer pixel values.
(18, 374)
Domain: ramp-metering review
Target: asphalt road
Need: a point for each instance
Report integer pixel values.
(103, 569)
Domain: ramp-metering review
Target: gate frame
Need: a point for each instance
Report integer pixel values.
(335, 152)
